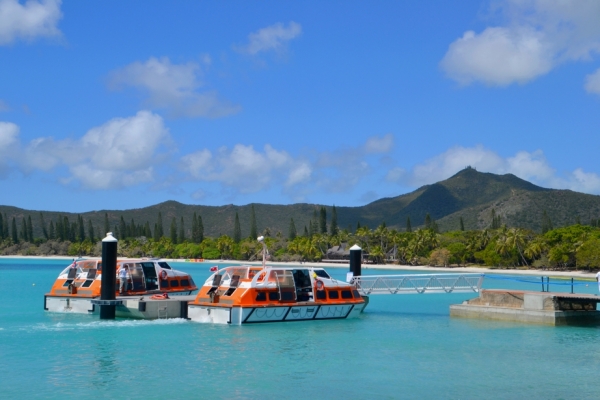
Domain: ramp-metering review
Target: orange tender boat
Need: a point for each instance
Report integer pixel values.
(80, 282)
(255, 294)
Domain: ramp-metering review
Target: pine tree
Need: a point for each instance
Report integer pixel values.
(173, 231)
(195, 229)
(156, 237)
(122, 228)
(546, 223)
(106, 225)
(181, 237)
(253, 226)
(496, 220)
(427, 221)
(200, 229)
(91, 234)
(23, 234)
(73, 232)
(51, 231)
(15, 235)
(292, 231)
(333, 229)
(80, 228)
(44, 230)
(322, 220)
(1, 227)
(305, 231)
(159, 225)
(29, 229)
(462, 224)
(237, 230)
(147, 231)
(310, 229)
(408, 225)
(357, 226)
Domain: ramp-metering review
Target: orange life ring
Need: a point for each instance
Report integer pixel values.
(320, 284)
(160, 296)
(163, 275)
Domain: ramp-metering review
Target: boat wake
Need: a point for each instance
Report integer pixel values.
(81, 326)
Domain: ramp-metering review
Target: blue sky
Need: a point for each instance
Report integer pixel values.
(125, 104)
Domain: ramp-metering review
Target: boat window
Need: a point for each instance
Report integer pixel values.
(241, 272)
(321, 295)
(164, 265)
(261, 296)
(301, 278)
(164, 284)
(87, 283)
(192, 282)
(174, 283)
(356, 294)
(333, 294)
(148, 265)
(346, 294)
(322, 274)
(273, 296)
(185, 282)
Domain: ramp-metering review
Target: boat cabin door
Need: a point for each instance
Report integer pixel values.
(136, 272)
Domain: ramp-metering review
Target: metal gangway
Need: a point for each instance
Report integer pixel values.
(417, 283)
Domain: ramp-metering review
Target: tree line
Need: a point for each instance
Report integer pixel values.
(497, 246)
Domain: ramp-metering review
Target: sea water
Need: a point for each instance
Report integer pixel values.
(401, 347)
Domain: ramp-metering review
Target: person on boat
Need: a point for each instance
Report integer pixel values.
(123, 276)
(598, 279)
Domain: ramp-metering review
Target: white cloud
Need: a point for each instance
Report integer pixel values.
(172, 87)
(592, 82)
(395, 174)
(498, 56)
(538, 36)
(120, 153)
(9, 134)
(244, 169)
(28, 21)
(378, 144)
(274, 37)
(533, 167)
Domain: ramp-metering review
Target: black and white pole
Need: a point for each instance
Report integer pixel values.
(109, 272)
(355, 260)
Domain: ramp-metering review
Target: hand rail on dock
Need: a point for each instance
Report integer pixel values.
(418, 283)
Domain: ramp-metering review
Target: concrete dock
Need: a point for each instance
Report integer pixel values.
(143, 307)
(547, 308)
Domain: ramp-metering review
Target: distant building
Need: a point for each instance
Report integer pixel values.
(341, 252)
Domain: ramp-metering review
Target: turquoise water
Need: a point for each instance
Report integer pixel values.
(403, 346)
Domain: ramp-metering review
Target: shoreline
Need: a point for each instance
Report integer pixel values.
(391, 267)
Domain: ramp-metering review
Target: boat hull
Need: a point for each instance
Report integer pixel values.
(253, 315)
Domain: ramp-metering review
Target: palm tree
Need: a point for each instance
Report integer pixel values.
(516, 239)
(225, 246)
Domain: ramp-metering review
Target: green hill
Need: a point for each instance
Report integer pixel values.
(469, 194)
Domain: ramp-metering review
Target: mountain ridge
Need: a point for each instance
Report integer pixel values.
(468, 194)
